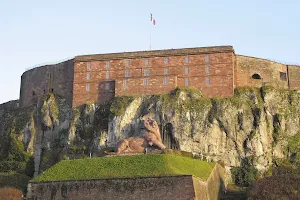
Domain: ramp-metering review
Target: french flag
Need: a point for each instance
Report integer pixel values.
(152, 19)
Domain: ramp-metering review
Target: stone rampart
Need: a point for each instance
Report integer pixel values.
(57, 78)
(257, 72)
(164, 188)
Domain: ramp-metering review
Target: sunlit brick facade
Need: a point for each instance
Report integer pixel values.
(98, 78)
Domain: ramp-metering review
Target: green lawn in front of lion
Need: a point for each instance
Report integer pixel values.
(126, 166)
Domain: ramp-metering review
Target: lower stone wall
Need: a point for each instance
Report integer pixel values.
(162, 188)
(212, 188)
(183, 187)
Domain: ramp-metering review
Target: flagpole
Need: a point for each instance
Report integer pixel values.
(150, 29)
(150, 35)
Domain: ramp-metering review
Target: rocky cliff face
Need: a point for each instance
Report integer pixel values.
(255, 123)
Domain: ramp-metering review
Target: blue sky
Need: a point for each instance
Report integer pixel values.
(36, 32)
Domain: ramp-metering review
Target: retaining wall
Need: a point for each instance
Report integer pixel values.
(163, 188)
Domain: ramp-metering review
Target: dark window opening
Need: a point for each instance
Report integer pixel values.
(33, 93)
(283, 76)
(52, 90)
(256, 76)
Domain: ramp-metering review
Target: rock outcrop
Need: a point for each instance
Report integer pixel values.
(255, 122)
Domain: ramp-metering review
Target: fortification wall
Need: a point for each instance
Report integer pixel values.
(164, 188)
(271, 73)
(294, 77)
(56, 78)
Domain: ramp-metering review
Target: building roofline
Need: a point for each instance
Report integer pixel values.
(48, 64)
(155, 53)
(271, 60)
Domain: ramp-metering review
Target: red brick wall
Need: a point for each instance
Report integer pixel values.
(220, 75)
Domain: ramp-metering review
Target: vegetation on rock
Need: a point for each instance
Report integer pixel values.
(119, 105)
(246, 174)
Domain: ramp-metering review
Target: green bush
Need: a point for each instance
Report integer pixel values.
(12, 149)
(244, 175)
(9, 166)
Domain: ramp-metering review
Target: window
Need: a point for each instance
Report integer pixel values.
(127, 73)
(186, 81)
(166, 80)
(88, 76)
(186, 70)
(33, 93)
(87, 87)
(166, 60)
(89, 66)
(166, 71)
(107, 64)
(207, 80)
(107, 86)
(187, 59)
(256, 76)
(282, 76)
(125, 84)
(146, 72)
(127, 63)
(207, 58)
(207, 69)
(107, 76)
(147, 62)
(146, 82)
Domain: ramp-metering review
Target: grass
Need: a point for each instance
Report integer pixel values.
(126, 166)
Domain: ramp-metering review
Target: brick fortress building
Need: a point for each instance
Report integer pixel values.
(216, 71)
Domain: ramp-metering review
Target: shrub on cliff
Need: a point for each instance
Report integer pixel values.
(9, 166)
(244, 175)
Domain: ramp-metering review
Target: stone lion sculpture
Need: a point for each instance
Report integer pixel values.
(151, 138)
